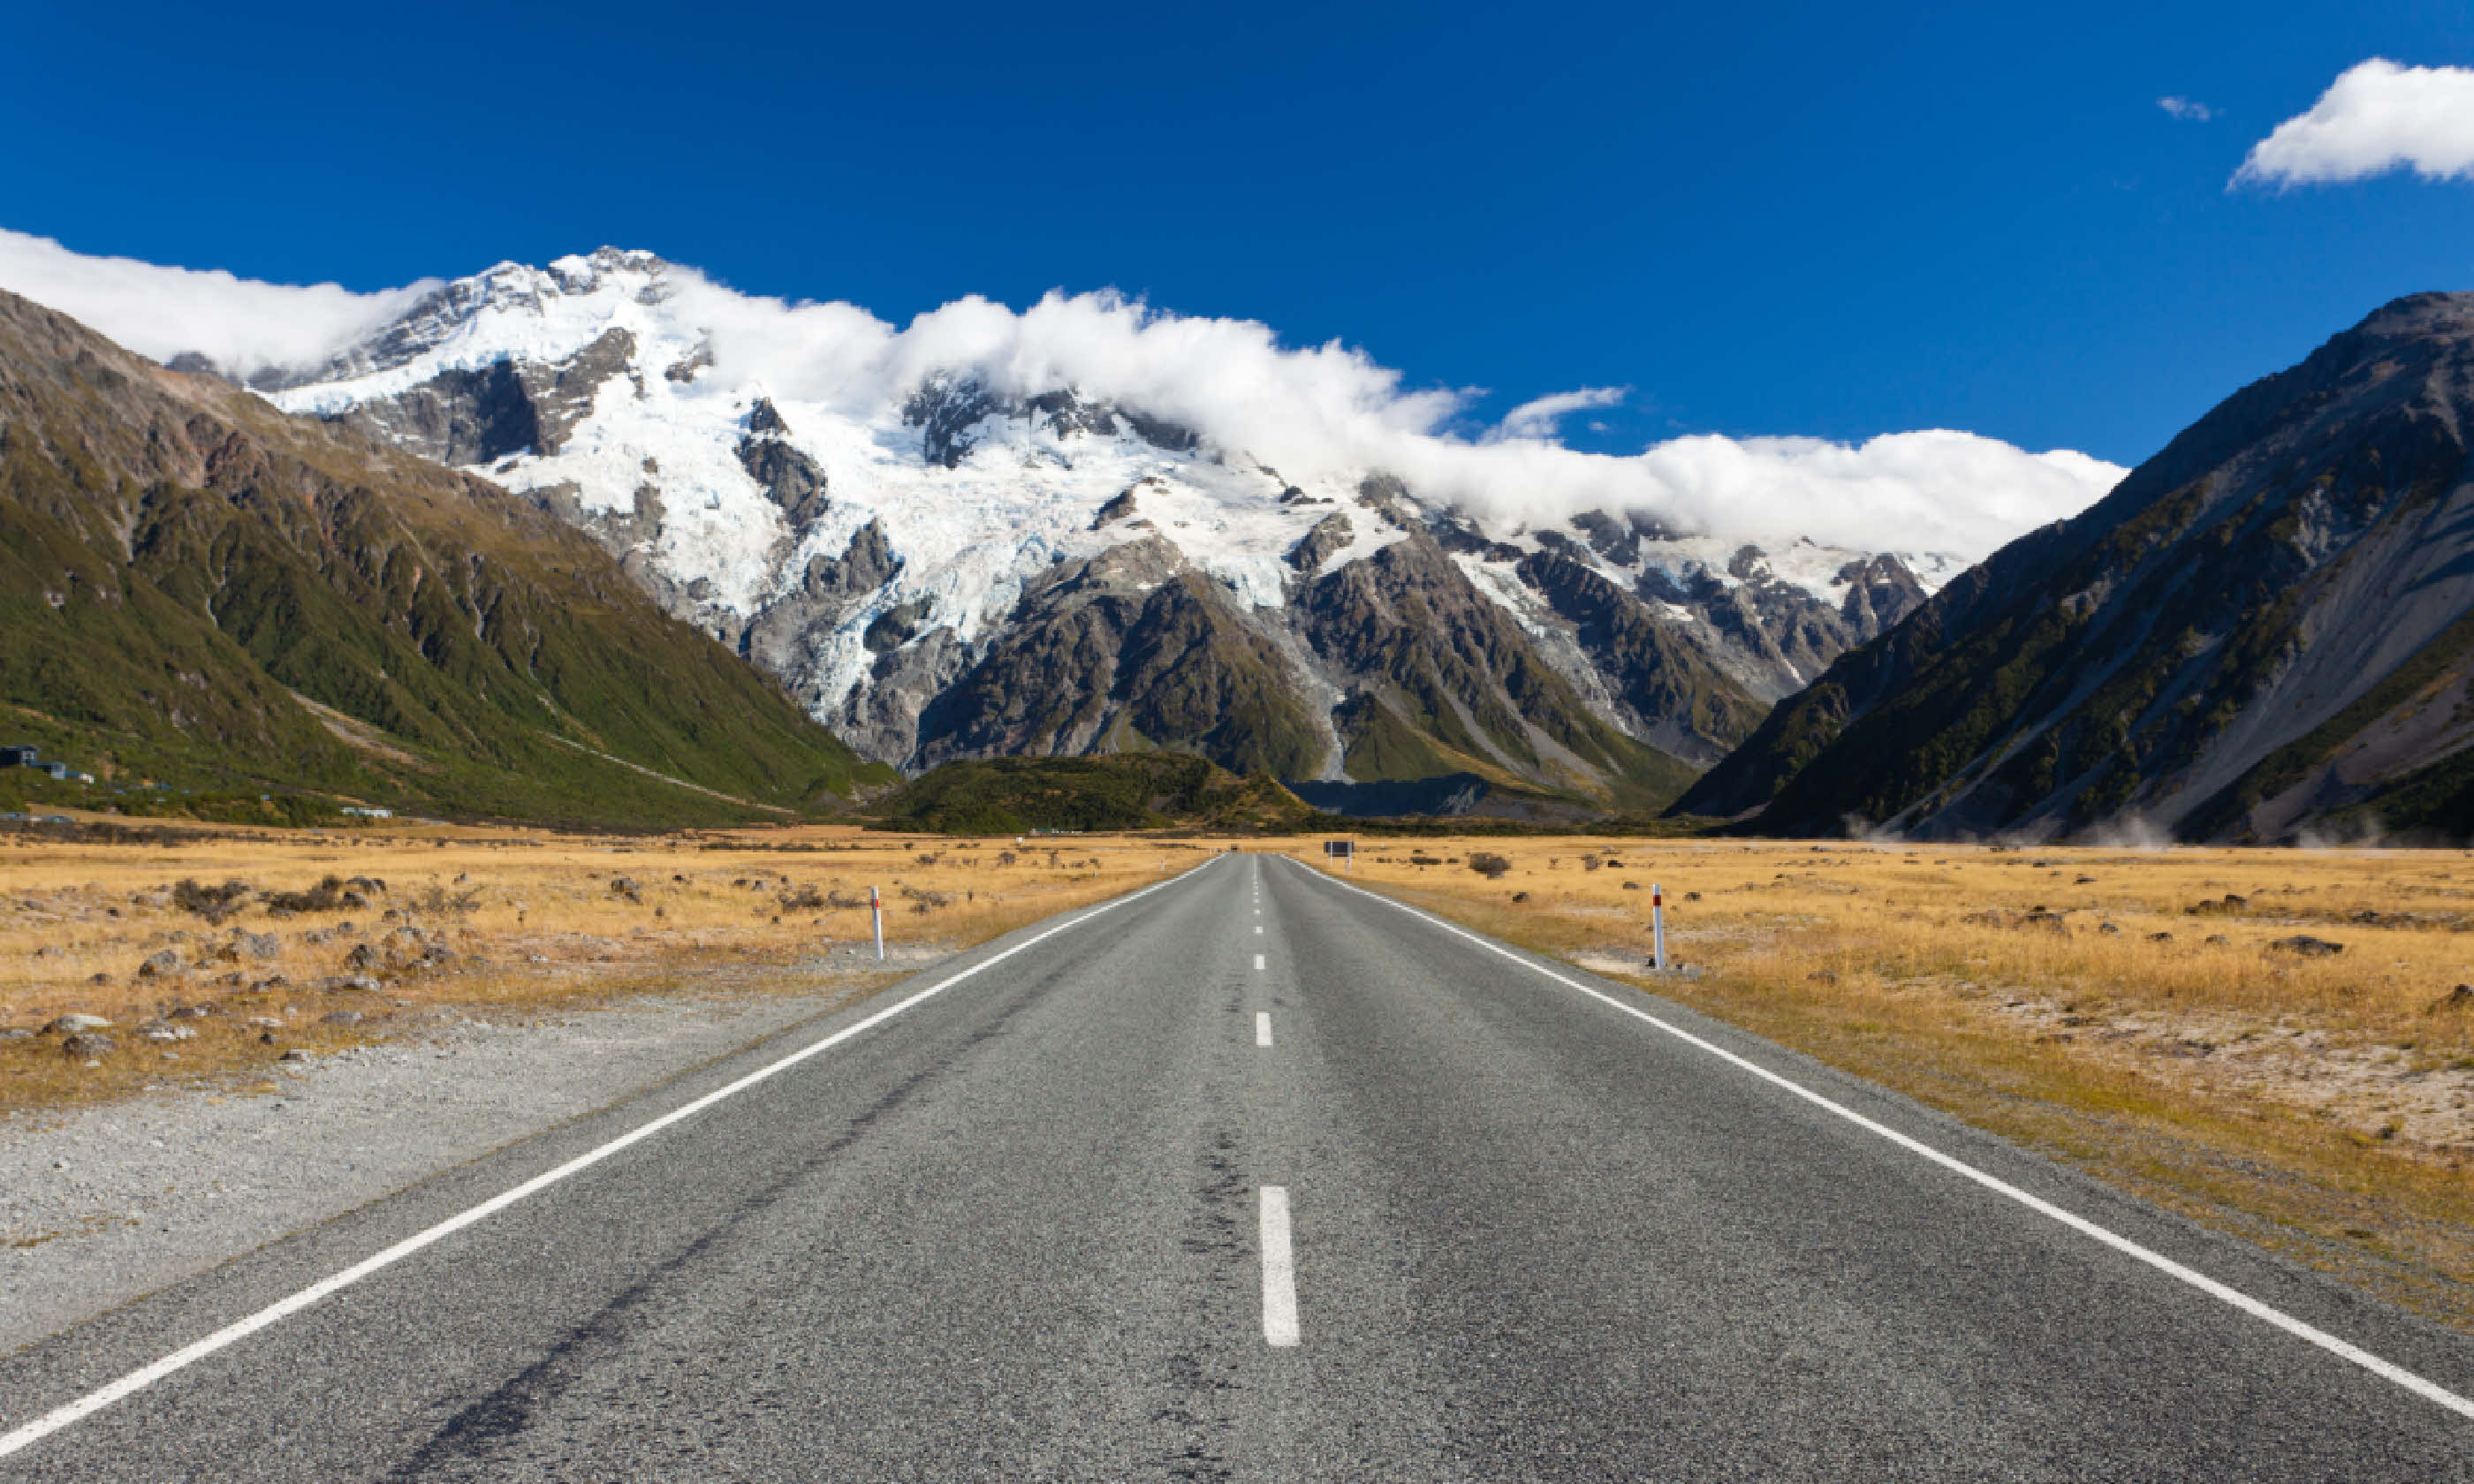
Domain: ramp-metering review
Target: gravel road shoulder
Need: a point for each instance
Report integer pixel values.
(103, 1204)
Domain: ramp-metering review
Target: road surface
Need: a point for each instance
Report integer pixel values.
(1251, 1176)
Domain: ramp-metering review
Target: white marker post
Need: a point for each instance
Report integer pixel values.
(1658, 927)
(876, 914)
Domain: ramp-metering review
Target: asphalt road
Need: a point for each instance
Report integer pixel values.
(1028, 1228)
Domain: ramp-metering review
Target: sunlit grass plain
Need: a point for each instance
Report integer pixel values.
(2073, 999)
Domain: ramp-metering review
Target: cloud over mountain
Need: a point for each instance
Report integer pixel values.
(240, 323)
(1539, 419)
(1302, 409)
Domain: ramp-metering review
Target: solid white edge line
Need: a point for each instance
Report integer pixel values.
(1280, 1271)
(2428, 1390)
(137, 1380)
(1262, 1027)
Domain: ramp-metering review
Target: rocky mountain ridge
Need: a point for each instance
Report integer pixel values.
(968, 571)
(2265, 633)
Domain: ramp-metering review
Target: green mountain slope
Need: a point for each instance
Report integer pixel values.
(999, 796)
(181, 567)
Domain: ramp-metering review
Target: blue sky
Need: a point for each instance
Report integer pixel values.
(1761, 219)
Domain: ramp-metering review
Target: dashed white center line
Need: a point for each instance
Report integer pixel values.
(1280, 1271)
(1258, 962)
(1258, 929)
(1262, 1027)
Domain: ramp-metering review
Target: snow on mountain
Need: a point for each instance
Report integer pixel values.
(871, 549)
(1088, 524)
(1016, 492)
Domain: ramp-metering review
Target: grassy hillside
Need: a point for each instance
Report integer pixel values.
(198, 590)
(1125, 791)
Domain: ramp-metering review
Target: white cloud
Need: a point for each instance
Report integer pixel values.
(2190, 108)
(2376, 117)
(1540, 419)
(240, 323)
(1320, 409)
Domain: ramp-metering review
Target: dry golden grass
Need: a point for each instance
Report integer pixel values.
(2320, 1105)
(476, 922)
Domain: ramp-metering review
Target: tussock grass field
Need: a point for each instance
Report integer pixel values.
(2145, 1016)
(2149, 1016)
(216, 957)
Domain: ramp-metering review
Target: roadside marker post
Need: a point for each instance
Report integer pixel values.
(876, 915)
(1658, 926)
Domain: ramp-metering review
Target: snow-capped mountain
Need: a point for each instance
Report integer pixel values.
(972, 566)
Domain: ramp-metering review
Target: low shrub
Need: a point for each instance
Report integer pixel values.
(214, 903)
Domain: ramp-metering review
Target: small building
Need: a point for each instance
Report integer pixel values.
(58, 770)
(17, 754)
(367, 813)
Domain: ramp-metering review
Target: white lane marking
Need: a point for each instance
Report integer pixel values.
(1258, 962)
(1262, 1027)
(1258, 929)
(2388, 1371)
(137, 1380)
(1280, 1271)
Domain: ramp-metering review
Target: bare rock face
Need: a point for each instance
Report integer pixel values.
(948, 410)
(1332, 533)
(883, 717)
(1671, 690)
(1128, 647)
(1879, 593)
(789, 477)
(1443, 680)
(787, 635)
(489, 413)
(2266, 631)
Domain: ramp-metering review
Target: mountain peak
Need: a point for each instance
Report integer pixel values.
(2432, 314)
(889, 558)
